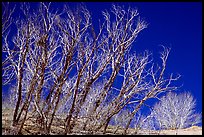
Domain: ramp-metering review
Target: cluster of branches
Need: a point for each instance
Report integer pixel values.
(173, 111)
(61, 62)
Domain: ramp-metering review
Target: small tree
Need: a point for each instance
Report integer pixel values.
(175, 111)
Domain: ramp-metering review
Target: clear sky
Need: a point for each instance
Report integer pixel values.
(174, 24)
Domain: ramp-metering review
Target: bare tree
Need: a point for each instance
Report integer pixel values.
(175, 111)
(61, 62)
(7, 18)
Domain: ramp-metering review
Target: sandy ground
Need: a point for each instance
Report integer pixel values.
(194, 130)
(7, 129)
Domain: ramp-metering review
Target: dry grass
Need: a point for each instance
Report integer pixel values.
(32, 128)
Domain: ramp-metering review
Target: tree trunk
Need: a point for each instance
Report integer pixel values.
(24, 119)
(106, 125)
(132, 115)
(18, 102)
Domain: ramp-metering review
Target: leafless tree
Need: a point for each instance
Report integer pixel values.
(7, 19)
(175, 111)
(61, 60)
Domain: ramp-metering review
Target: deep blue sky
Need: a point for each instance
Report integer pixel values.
(174, 24)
